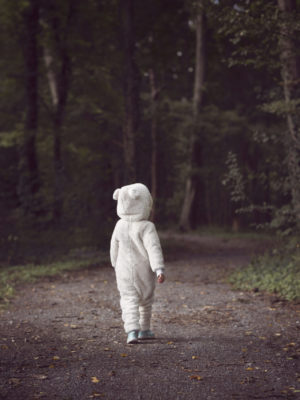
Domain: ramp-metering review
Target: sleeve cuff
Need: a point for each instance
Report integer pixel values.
(159, 271)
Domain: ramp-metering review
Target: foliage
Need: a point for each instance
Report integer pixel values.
(13, 277)
(234, 179)
(23, 243)
(240, 127)
(273, 273)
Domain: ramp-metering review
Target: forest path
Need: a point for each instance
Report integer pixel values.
(63, 338)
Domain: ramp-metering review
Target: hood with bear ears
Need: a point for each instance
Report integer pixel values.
(134, 202)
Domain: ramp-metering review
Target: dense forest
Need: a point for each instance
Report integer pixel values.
(197, 99)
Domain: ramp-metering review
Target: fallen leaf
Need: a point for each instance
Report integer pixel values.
(73, 326)
(207, 308)
(4, 347)
(277, 334)
(39, 395)
(55, 358)
(124, 355)
(14, 381)
(186, 369)
(94, 379)
(170, 343)
(195, 357)
(249, 369)
(40, 377)
(196, 377)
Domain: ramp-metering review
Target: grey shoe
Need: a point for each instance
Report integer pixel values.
(144, 335)
(132, 337)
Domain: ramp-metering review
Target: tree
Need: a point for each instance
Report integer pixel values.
(131, 90)
(194, 153)
(29, 183)
(58, 69)
(291, 85)
(154, 92)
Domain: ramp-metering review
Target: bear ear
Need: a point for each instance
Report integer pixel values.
(116, 194)
(133, 193)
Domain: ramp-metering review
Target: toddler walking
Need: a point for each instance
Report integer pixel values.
(136, 255)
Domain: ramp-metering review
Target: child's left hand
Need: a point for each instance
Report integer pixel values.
(161, 278)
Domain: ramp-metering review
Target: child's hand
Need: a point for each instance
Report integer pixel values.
(161, 278)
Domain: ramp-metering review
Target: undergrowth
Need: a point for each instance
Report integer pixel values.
(12, 277)
(273, 273)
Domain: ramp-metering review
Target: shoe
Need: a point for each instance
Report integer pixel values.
(132, 337)
(144, 335)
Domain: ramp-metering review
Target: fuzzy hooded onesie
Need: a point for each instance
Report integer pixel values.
(136, 255)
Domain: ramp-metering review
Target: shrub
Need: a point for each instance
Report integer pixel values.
(274, 273)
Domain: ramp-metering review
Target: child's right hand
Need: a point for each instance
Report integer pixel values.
(161, 278)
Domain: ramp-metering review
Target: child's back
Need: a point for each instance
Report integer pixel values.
(137, 257)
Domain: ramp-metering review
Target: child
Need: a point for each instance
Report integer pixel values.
(136, 255)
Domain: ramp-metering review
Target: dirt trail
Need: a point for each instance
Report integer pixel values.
(63, 338)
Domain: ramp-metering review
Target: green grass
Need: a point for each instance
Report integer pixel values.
(278, 274)
(228, 233)
(11, 277)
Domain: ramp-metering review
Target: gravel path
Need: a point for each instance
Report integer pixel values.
(63, 338)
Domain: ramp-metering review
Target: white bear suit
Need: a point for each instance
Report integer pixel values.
(136, 255)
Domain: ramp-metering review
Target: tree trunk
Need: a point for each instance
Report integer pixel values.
(291, 84)
(131, 98)
(194, 151)
(154, 94)
(29, 184)
(59, 88)
(57, 122)
(63, 79)
(52, 82)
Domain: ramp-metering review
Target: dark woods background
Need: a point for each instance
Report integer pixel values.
(199, 100)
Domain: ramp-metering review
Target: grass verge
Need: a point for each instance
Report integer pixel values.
(278, 274)
(10, 277)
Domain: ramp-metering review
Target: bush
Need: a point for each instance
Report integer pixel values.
(275, 273)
